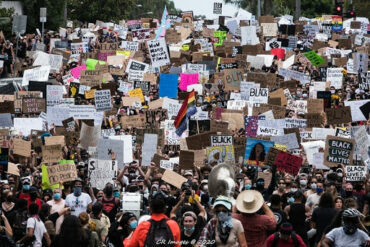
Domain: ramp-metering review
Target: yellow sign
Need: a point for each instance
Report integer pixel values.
(137, 93)
(90, 94)
(125, 53)
(185, 47)
(281, 147)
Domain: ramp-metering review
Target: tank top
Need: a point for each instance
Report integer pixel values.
(110, 208)
(297, 216)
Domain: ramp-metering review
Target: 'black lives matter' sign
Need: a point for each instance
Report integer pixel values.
(338, 150)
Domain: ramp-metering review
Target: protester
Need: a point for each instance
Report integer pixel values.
(103, 123)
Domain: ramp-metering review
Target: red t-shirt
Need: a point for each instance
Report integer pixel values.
(28, 198)
(284, 243)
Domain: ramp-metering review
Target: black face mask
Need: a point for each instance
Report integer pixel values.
(33, 196)
(205, 176)
(109, 191)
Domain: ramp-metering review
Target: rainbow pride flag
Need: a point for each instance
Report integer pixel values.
(187, 110)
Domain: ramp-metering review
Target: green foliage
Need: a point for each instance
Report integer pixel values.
(6, 21)
(54, 14)
(312, 9)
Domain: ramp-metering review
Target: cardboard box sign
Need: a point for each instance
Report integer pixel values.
(52, 153)
(338, 150)
(338, 115)
(173, 178)
(61, 172)
(200, 141)
(186, 160)
(22, 148)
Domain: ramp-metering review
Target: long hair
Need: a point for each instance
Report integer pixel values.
(326, 201)
(252, 156)
(71, 232)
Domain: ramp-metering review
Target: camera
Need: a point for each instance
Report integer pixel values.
(187, 192)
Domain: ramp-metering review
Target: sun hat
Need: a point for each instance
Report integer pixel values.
(249, 201)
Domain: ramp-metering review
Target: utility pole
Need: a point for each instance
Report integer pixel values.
(258, 8)
(42, 20)
(297, 9)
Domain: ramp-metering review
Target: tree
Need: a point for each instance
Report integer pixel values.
(103, 10)
(6, 21)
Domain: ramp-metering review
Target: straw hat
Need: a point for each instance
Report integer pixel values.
(249, 201)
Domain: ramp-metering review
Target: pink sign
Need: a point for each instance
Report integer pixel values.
(188, 79)
(278, 52)
(76, 72)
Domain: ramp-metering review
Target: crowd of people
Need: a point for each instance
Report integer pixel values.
(263, 204)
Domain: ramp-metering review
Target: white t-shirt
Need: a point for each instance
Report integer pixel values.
(78, 204)
(38, 230)
(341, 239)
(56, 206)
(313, 200)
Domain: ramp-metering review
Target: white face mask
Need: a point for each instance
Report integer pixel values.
(293, 190)
(303, 182)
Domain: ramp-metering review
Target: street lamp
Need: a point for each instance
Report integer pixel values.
(42, 20)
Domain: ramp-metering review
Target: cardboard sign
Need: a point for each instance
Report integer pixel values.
(137, 93)
(259, 95)
(89, 135)
(290, 140)
(55, 140)
(186, 160)
(338, 115)
(232, 79)
(220, 154)
(22, 148)
(315, 119)
(36, 74)
(91, 77)
(355, 173)
(62, 172)
(288, 162)
(219, 126)
(33, 105)
(221, 140)
(173, 178)
(103, 100)
(137, 121)
(269, 29)
(158, 52)
(52, 153)
(338, 150)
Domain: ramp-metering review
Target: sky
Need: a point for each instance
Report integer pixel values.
(205, 7)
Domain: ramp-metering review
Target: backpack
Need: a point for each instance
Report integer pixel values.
(20, 225)
(159, 234)
(276, 239)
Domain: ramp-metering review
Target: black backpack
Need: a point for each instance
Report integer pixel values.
(20, 224)
(159, 234)
(276, 239)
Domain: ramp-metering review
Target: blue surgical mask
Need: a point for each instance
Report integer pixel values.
(248, 186)
(291, 199)
(116, 194)
(77, 191)
(222, 216)
(189, 229)
(319, 190)
(57, 196)
(133, 224)
(26, 187)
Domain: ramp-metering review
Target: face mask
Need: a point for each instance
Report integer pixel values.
(319, 190)
(291, 200)
(191, 229)
(293, 190)
(313, 186)
(133, 224)
(303, 182)
(9, 198)
(26, 187)
(205, 188)
(332, 91)
(304, 95)
(348, 193)
(349, 230)
(206, 177)
(57, 196)
(77, 191)
(33, 196)
(116, 194)
(281, 187)
(248, 186)
(340, 174)
(222, 216)
(299, 93)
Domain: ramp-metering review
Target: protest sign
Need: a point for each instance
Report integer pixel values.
(188, 79)
(362, 142)
(132, 121)
(137, 93)
(338, 115)
(33, 105)
(338, 150)
(335, 77)
(186, 160)
(106, 147)
(62, 172)
(221, 140)
(6, 120)
(314, 58)
(173, 178)
(259, 95)
(168, 84)
(55, 140)
(21, 147)
(356, 109)
(217, 8)
(130, 46)
(89, 136)
(288, 162)
(166, 164)
(102, 172)
(232, 79)
(52, 153)
(36, 74)
(220, 154)
(25, 125)
(103, 100)
(158, 52)
(290, 140)
(256, 151)
(149, 148)
(355, 173)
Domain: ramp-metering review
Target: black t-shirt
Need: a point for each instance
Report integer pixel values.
(280, 217)
(323, 218)
(191, 240)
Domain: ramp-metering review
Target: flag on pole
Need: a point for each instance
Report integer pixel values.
(187, 110)
(165, 24)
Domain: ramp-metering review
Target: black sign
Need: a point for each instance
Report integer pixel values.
(39, 86)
